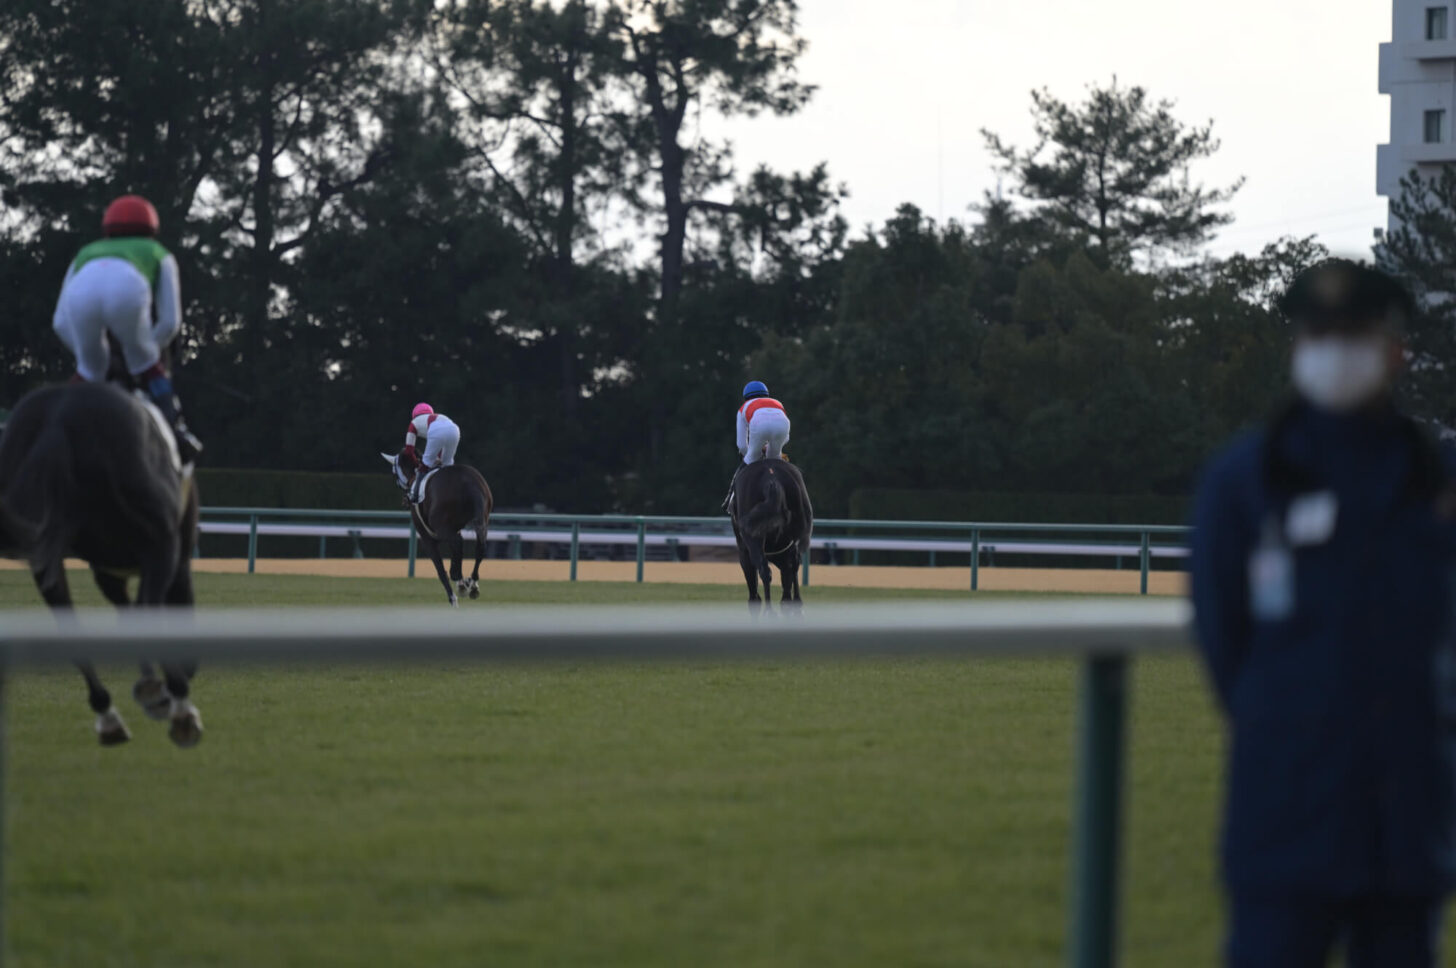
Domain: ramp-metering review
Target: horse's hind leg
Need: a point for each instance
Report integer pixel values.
(158, 574)
(789, 574)
(758, 561)
(148, 691)
(474, 583)
(433, 549)
(750, 576)
(110, 727)
(186, 728)
(457, 558)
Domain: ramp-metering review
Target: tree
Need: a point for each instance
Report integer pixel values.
(97, 98)
(1114, 170)
(537, 81)
(1421, 250)
(739, 57)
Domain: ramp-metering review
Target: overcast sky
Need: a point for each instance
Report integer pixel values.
(906, 85)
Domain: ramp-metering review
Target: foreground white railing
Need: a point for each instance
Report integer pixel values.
(1105, 634)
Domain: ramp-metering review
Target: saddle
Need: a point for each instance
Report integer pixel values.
(424, 482)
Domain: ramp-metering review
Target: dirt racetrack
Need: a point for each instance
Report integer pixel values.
(1058, 580)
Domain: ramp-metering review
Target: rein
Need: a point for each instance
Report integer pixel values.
(786, 547)
(420, 520)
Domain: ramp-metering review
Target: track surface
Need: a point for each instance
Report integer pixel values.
(1050, 580)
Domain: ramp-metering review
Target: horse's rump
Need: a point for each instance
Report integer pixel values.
(772, 503)
(65, 467)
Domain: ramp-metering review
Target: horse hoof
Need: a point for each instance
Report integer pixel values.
(151, 695)
(186, 729)
(474, 590)
(111, 728)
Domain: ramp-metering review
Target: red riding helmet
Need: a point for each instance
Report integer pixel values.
(130, 215)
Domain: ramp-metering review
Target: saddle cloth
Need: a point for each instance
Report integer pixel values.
(160, 420)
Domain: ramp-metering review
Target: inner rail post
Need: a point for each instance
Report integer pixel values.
(975, 558)
(414, 542)
(1101, 720)
(252, 543)
(641, 547)
(575, 546)
(1145, 558)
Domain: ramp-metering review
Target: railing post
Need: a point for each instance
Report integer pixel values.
(323, 550)
(804, 579)
(414, 542)
(975, 558)
(1092, 934)
(252, 542)
(575, 546)
(641, 547)
(1145, 556)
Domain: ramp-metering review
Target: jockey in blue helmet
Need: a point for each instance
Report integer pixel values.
(763, 428)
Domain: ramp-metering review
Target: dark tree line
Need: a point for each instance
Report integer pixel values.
(503, 207)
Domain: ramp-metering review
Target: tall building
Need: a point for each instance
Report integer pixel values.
(1418, 71)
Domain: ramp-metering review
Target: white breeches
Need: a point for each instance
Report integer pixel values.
(441, 443)
(768, 431)
(107, 295)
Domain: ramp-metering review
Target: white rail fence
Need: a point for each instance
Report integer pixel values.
(1104, 635)
(980, 541)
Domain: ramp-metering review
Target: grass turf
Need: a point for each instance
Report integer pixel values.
(909, 812)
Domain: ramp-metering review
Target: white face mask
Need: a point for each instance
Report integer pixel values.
(1340, 373)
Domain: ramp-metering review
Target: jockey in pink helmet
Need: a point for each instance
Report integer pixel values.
(441, 436)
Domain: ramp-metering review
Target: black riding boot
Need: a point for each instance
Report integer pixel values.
(159, 388)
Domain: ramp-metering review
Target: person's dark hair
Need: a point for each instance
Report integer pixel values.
(1339, 295)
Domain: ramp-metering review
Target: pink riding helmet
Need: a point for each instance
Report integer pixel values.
(421, 409)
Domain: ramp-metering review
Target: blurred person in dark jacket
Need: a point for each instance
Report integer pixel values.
(1323, 574)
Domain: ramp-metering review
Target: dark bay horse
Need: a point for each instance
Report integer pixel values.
(90, 471)
(455, 498)
(772, 522)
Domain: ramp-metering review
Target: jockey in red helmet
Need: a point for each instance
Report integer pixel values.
(126, 284)
(441, 438)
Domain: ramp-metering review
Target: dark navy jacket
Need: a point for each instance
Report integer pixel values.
(1342, 774)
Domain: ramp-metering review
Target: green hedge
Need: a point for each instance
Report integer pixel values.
(222, 487)
(901, 504)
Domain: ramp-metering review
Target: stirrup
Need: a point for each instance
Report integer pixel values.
(188, 446)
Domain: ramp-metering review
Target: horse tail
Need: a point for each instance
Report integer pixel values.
(43, 474)
(479, 511)
(771, 512)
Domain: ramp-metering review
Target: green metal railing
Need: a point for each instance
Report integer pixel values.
(514, 527)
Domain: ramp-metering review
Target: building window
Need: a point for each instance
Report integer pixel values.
(1435, 127)
(1435, 23)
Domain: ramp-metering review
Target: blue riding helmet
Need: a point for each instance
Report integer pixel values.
(755, 389)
